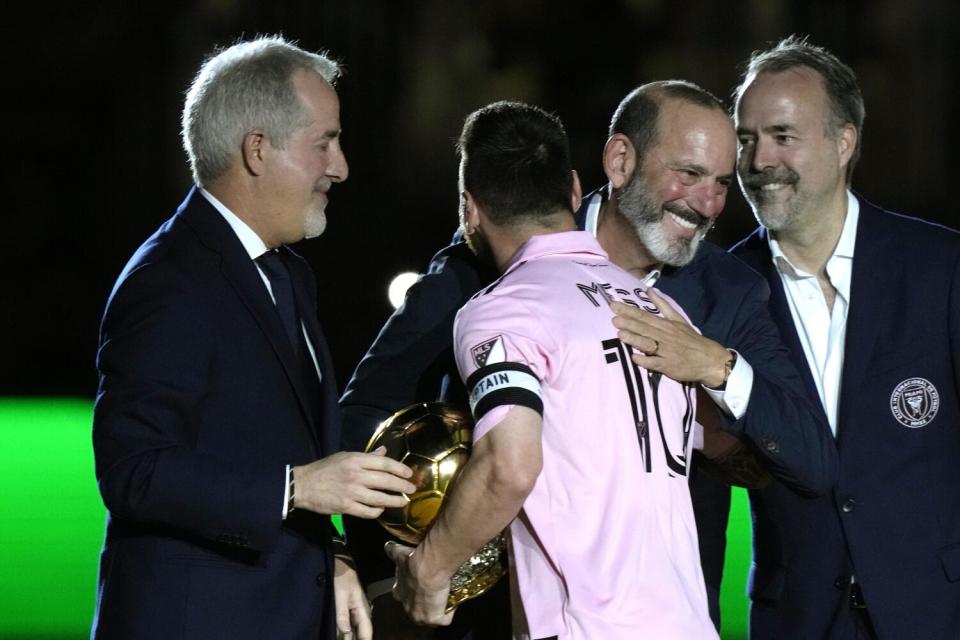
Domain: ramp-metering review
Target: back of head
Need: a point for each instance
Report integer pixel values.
(515, 162)
(637, 115)
(242, 88)
(839, 81)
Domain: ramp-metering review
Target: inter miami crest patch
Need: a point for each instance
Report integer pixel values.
(915, 402)
(488, 352)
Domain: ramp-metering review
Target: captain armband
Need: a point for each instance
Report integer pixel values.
(503, 383)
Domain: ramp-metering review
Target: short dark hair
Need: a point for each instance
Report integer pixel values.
(839, 81)
(638, 113)
(516, 161)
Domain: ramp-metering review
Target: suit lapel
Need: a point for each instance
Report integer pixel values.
(303, 282)
(869, 299)
(239, 270)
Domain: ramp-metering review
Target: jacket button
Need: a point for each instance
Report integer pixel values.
(772, 446)
(841, 582)
(848, 506)
(321, 580)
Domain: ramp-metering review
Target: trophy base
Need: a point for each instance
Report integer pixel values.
(480, 572)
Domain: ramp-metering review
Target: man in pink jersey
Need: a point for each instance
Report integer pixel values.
(579, 451)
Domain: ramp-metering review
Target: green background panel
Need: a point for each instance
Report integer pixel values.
(52, 520)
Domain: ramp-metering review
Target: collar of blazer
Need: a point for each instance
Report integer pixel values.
(241, 273)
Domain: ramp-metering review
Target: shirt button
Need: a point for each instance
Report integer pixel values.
(848, 506)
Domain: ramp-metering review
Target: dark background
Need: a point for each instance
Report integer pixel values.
(94, 90)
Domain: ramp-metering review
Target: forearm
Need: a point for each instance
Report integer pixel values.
(487, 497)
(783, 420)
(482, 506)
(792, 435)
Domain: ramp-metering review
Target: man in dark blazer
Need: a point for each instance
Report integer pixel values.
(869, 302)
(669, 160)
(216, 428)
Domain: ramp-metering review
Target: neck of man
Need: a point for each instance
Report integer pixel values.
(812, 239)
(239, 196)
(505, 242)
(619, 239)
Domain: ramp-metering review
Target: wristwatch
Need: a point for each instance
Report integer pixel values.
(728, 366)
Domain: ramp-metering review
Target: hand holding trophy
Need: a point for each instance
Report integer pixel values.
(434, 439)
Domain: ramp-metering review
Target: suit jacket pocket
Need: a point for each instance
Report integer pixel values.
(212, 554)
(908, 362)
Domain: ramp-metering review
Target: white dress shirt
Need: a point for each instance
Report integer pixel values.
(822, 332)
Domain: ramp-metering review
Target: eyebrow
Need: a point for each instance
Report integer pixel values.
(698, 168)
(330, 134)
(688, 166)
(773, 128)
(779, 128)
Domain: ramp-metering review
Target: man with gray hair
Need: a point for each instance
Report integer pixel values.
(216, 428)
(867, 300)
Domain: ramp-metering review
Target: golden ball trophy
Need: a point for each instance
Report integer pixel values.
(434, 439)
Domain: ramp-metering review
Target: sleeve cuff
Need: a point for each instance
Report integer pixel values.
(286, 487)
(734, 397)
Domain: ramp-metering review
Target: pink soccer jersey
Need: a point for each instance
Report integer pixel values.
(605, 545)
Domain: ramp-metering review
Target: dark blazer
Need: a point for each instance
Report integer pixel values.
(894, 517)
(199, 410)
(723, 297)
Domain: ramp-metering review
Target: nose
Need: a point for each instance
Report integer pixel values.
(337, 169)
(710, 199)
(762, 156)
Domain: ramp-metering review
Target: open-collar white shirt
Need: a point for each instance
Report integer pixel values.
(822, 332)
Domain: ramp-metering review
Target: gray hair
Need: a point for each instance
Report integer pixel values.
(839, 82)
(244, 87)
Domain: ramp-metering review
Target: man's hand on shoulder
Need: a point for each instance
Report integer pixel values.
(356, 484)
(669, 344)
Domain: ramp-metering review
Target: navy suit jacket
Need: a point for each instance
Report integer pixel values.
(894, 518)
(199, 410)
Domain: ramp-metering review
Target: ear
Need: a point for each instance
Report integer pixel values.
(576, 195)
(619, 160)
(254, 150)
(846, 143)
(471, 213)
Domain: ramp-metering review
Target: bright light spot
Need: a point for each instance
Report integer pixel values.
(398, 288)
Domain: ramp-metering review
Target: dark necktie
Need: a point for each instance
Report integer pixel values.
(274, 266)
(283, 295)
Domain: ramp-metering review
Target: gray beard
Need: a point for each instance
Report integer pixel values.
(647, 220)
(315, 224)
(776, 220)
